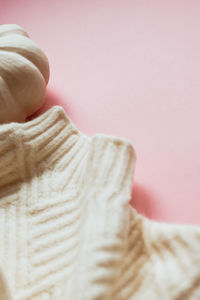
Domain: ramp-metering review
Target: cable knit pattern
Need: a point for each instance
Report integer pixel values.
(66, 228)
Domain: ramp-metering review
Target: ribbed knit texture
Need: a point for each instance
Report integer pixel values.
(66, 228)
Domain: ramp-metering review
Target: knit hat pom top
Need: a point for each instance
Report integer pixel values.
(24, 74)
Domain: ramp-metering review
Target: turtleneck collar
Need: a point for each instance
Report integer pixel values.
(38, 126)
(38, 143)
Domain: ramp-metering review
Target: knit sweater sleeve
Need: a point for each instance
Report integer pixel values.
(108, 182)
(124, 255)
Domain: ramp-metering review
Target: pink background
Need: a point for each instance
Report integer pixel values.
(132, 69)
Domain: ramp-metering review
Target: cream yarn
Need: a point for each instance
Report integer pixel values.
(67, 230)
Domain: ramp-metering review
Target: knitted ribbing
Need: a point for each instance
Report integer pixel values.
(66, 228)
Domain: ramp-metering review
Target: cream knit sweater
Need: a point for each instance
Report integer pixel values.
(67, 230)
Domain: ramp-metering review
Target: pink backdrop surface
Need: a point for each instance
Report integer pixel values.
(132, 69)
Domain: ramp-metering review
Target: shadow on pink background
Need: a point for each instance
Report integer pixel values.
(132, 69)
(50, 100)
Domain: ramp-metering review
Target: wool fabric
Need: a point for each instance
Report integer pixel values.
(67, 230)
